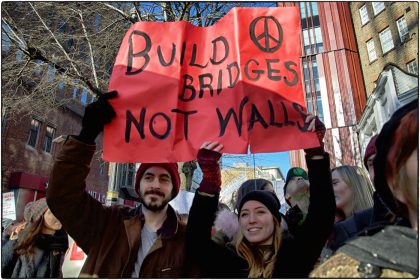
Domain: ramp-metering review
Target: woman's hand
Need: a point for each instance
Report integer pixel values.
(208, 158)
(213, 146)
(315, 125)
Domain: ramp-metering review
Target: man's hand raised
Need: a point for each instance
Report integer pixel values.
(97, 114)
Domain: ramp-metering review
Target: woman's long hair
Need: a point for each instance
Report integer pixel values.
(261, 262)
(362, 188)
(26, 242)
(405, 142)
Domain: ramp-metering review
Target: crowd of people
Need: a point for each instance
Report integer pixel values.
(341, 222)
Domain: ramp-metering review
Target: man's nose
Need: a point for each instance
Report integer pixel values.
(155, 184)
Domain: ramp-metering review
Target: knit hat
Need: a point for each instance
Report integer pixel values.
(267, 198)
(294, 172)
(383, 144)
(248, 186)
(171, 167)
(370, 150)
(35, 210)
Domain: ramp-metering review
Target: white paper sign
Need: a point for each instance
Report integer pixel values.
(9, 206)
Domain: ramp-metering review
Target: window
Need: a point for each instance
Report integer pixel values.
(402, 28)
(33, 132)
(412, 67)
(312, 87)
(386, 40)
(370, 45)
(49, 136)
(312, 40)
(364, 17)
(127, 172)
(378, 7)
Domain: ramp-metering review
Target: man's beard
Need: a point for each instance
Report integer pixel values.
(153, 205)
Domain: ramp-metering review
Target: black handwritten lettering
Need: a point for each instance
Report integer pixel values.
(188, 86)
(256, 117)
(184, 46)
(258, 72)
(168, 126)
(186, 115)
(219, 82)
(226, 44)
(286, 116)
(238, 121)
(303, 115)
(139, 125)
(144, 53)
(232, 82)
(270, 70)
(295, 74)
(162, 60)
(204, 85)
(272, 114)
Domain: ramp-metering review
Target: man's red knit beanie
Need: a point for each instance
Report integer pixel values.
(171, 167)
(370, 150)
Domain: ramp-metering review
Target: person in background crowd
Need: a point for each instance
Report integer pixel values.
(120, 242)
(37, 250)
(352, 189)
(362, 221)
(353, 193)
(392, 252)
(370, 153)
(296, 194)
(258, 249)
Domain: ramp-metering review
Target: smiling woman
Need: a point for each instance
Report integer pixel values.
(259, 249)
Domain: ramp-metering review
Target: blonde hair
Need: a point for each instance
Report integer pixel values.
(362, 188)
(261, 262)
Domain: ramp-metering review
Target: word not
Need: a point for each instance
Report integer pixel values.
(276, 118)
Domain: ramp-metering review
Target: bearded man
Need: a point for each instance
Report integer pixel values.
(120, 242)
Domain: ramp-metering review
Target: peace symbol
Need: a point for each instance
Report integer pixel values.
(265, 46)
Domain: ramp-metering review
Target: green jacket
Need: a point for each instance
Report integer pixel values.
(110, 236)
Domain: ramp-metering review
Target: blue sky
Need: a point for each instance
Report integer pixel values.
(280, 159)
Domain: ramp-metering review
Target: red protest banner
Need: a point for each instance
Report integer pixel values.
(237, 82)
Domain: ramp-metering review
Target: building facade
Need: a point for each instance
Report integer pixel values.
(333, 80)
(387, 38)
(386, 32)
(29, 151)
(233, 177)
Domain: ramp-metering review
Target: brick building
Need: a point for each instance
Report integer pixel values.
(333, 80)
(387, 38)
(386, 32)
(28, 154)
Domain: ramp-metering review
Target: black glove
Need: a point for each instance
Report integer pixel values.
(97, 114)
(320, 132)
(209, 164)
